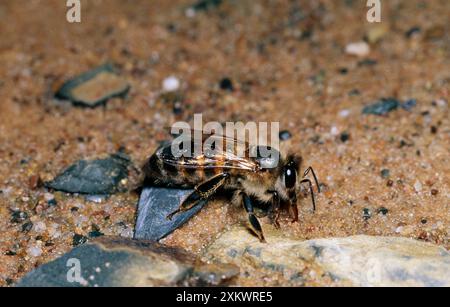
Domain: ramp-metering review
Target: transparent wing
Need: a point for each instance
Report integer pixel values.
(213, 151)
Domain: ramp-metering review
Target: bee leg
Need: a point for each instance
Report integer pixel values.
(202, 193)
(311, 191)
(254, 223)
(276, 208)
(190, 202)
(207, 188)
(293, 207)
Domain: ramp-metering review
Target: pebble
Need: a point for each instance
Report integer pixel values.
(93, 177)
(285, 135)
(78, 239)
(95, 234)
(367, 214)
(18, 216)
(383, 210)
(382, 107)
(27, 227)
(361, 260)
(441, 103)
(413, 31)
(345, 136)
(359, 49)
(202, 5)
(129, 263)
(39, 227)
(334, 131)
(368, 62)
(171, 84)
(344, 113)
(385, 173)
(418, 186)
(226, 84)
(127, 233)
(94, 88)
(34, 251)
(52, 202)
(409, 104)
(48, 196)
(98, 199)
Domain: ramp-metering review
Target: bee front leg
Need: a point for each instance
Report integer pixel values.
(202, 193)
(293, 206)
(276, 208)
(254, 223)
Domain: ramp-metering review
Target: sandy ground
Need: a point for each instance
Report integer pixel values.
(287, 62)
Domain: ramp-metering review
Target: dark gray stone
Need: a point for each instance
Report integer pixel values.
(94, 177)
(387, 105)
(121, 262)
(154, 206)
(204, 5)
(382, 107)
(285, 135)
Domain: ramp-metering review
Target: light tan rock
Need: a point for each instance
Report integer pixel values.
(360, 260)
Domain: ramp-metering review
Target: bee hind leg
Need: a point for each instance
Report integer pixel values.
(253, 220)
(194, 199)
(202, 193)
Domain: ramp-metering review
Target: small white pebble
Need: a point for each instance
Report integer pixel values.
(107, 264)
(34, 251)
(344, 113)
(95, 198)
(171, 84)
(190, 12)
(399, 229)
(39, 227)
(334, 131)
(92, 277)
(7, 191)
(98, 270)
(360, 49)
(127, 233)
(441, 102)
(418, 186)
(49, 196)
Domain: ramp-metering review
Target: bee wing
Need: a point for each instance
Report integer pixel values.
(216, 152)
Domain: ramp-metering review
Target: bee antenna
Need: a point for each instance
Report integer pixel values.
(310, 169)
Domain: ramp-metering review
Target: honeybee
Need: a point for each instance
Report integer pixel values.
(250, 179)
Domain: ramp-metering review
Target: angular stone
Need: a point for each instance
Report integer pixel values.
(382, 107)
(386, 105)
(154, 206)
(360, 260)
(120, 262)
(93, 177)
(94, 87)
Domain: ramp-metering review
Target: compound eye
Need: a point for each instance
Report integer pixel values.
(290, 177)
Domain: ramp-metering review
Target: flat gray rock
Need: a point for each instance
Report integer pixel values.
(154, 206)
(93, 177)
(121, 262)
